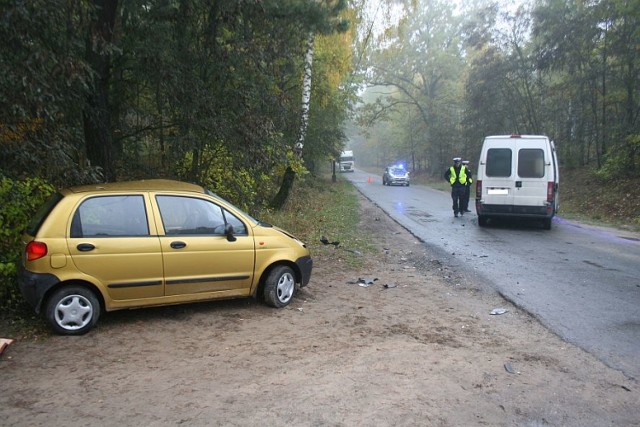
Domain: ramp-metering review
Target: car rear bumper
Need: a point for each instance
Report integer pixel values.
(514, 211)
(34, 286)
(305, 264)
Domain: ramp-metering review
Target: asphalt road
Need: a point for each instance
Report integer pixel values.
(582, 282)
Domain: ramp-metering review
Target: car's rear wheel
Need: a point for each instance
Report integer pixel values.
(72, 310)
(546, 223)
(279, 286)
(482, 220)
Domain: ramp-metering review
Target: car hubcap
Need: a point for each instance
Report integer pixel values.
(285, 287)
(74, 312)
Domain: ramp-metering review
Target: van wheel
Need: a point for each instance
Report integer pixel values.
(279, 286)
(72, 310)
(482, 220)
(546, 223)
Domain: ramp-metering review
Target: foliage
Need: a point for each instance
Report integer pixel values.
(562, 68)
(621, 159)
(317, 207)
(19, 200)
(123, 90)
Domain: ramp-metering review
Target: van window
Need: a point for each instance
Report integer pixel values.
(531, 163)
(110, 216)
(498, 162)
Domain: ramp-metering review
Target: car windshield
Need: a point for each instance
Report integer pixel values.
(398, 171)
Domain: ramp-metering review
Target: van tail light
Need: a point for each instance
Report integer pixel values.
(478, 189)
(35, 250)
(550, 191)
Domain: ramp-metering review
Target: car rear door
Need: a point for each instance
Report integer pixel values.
(197, 256)
(112, 241)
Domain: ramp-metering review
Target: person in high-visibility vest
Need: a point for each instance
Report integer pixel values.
(457, 175)
(467, 189)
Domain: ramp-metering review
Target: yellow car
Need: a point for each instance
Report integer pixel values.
(135, 244)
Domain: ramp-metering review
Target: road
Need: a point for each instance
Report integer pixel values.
(581, 282)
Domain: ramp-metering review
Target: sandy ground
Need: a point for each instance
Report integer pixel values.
(426, 352)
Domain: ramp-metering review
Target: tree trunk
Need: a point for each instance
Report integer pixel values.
(97, 116)
(290, 175)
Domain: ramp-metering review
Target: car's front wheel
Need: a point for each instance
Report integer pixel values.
(72, 310)
(279, 286)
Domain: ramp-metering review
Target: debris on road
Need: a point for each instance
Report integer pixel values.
(497, 311)
(4, 343)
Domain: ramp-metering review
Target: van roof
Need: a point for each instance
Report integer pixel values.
(517, 136)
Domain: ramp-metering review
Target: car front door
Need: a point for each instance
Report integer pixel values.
(197, 256)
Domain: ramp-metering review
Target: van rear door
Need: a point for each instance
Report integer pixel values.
(498, 185)
(532, 167)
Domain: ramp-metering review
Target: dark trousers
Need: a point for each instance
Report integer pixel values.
(457, 194)
(467, 194)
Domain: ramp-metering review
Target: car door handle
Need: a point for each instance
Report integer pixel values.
(178, 245)
(85, 247)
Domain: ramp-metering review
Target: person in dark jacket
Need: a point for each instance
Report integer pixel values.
(467, 190)
(457, 176)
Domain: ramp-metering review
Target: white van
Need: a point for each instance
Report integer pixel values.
(517, 177)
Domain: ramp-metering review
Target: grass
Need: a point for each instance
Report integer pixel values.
(318, 207)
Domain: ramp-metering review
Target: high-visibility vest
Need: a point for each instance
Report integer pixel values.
(462, 176)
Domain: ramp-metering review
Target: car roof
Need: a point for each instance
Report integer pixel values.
(140, 185)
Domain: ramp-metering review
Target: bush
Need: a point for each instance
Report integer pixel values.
(19, 200)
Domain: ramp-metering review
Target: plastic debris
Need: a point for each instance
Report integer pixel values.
(4, 343)
(390, 285)
(509, 368)
(497, 311)
(366, 281)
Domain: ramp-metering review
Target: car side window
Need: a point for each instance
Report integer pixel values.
(110, 216)
(193, 216)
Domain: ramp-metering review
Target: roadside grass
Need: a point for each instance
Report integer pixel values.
(319, 207)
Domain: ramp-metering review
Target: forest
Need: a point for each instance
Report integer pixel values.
(248, 96)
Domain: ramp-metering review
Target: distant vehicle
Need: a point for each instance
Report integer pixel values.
(347, 162)
(147, 243)
(395, 175)
(517, 177)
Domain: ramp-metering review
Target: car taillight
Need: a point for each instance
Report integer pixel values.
(550, 187)
(478, 189)
(36, 250)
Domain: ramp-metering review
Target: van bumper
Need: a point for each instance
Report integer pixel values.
(514, 211)
(305, 264)
(34, 286)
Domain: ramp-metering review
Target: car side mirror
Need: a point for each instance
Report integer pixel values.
(228, 231)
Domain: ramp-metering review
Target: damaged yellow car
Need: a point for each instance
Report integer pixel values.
(98, 248)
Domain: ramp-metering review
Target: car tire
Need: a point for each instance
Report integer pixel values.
(546, 223)
(72, 310)
(279, 286)
(482, 220)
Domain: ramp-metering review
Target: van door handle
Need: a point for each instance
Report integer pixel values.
(178, 245)
(85, 247)
(518, 184)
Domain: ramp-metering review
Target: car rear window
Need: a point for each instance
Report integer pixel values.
(498, 162)
(111, 216)
(42, 213)
(531, 163)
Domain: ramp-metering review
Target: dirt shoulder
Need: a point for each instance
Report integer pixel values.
(422, 350)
